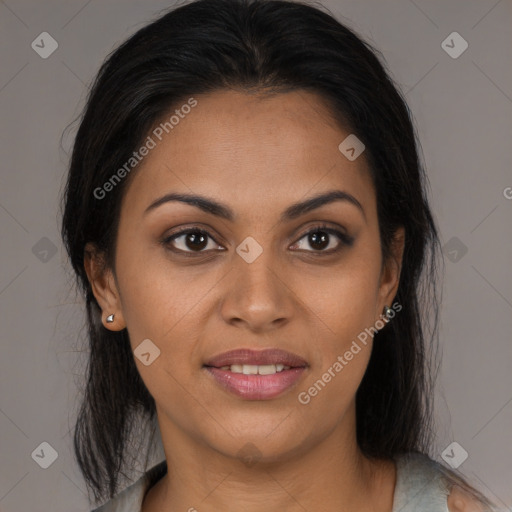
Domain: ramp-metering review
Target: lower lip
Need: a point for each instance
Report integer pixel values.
(256, 387)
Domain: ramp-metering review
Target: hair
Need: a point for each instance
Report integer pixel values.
(268, 47)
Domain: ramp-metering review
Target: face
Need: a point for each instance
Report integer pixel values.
(305, 280)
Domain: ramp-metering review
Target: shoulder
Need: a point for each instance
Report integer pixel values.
(461, 501)
(130, 499)
(423, 483)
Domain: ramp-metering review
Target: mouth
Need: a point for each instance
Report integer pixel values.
(256, 375)
(254, 369)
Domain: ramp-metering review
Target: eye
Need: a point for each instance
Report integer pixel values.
(190, 240)
(320, 240)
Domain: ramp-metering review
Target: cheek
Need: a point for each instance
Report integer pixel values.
(162, 305)
(344, 299)
(168, 306)
(343, 307)
(344, 341)
(154, 296)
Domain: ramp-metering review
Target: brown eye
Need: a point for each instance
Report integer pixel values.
(321, 238)
(190, 241)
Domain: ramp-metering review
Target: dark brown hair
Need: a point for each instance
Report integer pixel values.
(253, 45)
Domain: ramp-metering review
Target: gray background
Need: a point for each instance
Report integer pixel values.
(463, 111)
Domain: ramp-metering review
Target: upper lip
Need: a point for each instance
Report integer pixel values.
(254, 357)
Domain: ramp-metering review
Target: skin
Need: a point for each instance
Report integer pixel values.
(460, 501)
(257, 155)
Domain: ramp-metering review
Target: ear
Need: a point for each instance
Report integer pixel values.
(390, 275)
(103, 287)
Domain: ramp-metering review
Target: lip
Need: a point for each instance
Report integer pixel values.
(256, 387)
(254, 357)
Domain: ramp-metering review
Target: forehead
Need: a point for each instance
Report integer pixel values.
(250, 150)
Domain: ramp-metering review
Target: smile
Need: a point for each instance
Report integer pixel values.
(256, 375)
(253, 369)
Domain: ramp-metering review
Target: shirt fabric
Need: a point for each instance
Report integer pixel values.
(420, 487)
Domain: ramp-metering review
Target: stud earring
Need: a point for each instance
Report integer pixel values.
(387, 312)
(110, 318)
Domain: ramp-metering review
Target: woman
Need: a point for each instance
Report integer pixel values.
(247, 218)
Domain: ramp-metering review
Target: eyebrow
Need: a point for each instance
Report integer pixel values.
(294, 211)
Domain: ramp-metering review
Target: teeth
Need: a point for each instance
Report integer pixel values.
(253, 369)
(267, 369)
(249, 369)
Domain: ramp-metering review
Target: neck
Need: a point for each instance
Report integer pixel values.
(331, 475)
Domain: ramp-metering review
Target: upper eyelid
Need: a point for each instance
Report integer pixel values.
(191, 229)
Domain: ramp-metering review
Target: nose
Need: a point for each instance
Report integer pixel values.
(257, 295)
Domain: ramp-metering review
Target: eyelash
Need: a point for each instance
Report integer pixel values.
(345, 240)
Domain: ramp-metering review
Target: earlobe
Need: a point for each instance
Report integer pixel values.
(104, 288)
(113, 321)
